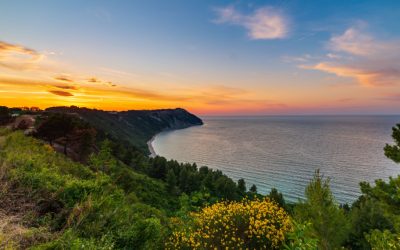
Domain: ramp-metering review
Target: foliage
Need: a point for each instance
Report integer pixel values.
(366, 214)
(257, 224)
(301, 237)
(136, 127)
(329, 222)
(393, 151)
(118, 198)
(69, 131)
(242, 186)
(383, 240)
(277, 197)
(253, 188)
(87, 203)
(4, 115)
(187, 178)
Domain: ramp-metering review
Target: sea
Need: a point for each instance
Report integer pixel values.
(284, 152)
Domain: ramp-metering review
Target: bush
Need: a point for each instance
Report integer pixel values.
(235, 225)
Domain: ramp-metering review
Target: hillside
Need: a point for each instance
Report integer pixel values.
(49, 201)
(134, 126)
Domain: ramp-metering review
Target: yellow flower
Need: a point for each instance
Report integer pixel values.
(240, 225)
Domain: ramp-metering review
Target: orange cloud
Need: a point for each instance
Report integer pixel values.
(60, 93)
(66, 87)
(96, 80)
(63, 79)
(362, 76)
(17, 57)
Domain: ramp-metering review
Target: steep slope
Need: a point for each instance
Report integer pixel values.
(135, 126)
(47, 198)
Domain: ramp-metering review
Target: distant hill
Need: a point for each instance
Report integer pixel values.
(135, 126)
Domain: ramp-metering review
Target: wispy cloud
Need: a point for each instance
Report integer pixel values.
(354, 41)
(359, 55)
(99, 81)
(263, 23)
(63, 78)
(66, 87)
(61, 93)
(18, 57)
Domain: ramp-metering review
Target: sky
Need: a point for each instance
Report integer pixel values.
(209, 57)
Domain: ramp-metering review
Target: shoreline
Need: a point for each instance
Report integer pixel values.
(150, 146)
(149, 142)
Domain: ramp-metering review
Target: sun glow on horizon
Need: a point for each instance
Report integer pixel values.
(245, 60)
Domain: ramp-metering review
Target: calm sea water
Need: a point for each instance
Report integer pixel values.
(284, 151)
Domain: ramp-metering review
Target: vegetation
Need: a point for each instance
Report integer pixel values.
(134, 127)
(328, 221)
(234, 225)
(112, 196)
(5, 115)
(104, 203)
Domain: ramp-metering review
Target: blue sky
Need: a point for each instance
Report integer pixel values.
(222, 57)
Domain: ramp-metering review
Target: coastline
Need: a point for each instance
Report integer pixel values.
(150, 146)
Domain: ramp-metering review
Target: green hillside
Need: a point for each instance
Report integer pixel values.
(49, 201)
(135, 126)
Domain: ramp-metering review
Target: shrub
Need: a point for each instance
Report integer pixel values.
(257, 224)
(383, 240)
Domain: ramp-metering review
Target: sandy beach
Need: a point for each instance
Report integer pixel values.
(150, 146)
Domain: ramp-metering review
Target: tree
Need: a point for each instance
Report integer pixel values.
(366, 214)
(208, 182)
(393, 151)
(84, 138)
(375, 215)
(171, 181)
(383, 240)
(57, 126)
(301, 237)
(103, 160)
(183, 179)
(226, 188)
(127, 157)
(253, 188)
(4, 115)
(277, 197)
(329, 222)
(242, 186)
(159, 168)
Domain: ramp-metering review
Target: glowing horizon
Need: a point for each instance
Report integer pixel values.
(231, 59)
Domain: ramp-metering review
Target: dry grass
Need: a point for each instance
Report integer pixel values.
(12, 232)
(15, 229)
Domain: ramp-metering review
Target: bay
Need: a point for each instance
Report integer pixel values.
(284, 151)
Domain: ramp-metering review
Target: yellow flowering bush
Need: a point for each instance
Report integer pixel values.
(257, 224)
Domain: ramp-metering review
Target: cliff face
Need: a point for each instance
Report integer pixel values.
(134, 126)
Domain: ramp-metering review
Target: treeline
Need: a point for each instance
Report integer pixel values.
(79, 139)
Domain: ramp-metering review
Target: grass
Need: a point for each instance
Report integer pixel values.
(54, 202)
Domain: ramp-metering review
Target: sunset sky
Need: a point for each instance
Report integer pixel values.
(210, 57)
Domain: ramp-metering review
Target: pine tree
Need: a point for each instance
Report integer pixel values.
(329, 222)
(393, 151)
(242, 185)
(171, 182)
(277, 197)
(253, 188)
